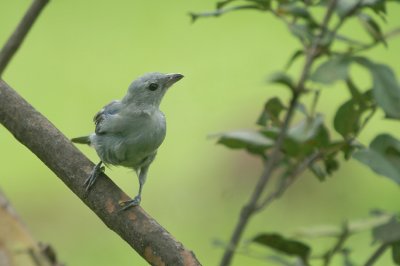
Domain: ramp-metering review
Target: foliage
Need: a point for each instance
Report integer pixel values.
(308, 143)
(385, 228)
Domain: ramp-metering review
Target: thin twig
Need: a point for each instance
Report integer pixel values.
(313, 108)
(338, 245)
(289, 180)
(270, 165)
(366, 120)
(16, 39)
(377, 254)
(219, 12)
(388, 35)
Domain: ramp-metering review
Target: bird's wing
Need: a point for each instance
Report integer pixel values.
(104, 114)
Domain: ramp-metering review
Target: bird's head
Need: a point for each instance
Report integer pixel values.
(150, 88)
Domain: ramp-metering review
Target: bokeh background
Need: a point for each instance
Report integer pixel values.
(82, 54)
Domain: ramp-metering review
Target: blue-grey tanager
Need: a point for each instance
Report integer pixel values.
(129, 131)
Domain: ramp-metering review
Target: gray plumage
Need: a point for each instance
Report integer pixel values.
(129, 131)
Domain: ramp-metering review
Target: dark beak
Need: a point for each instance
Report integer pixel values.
(173, 78)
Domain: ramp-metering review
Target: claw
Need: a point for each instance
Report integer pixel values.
(89, 182)
(130, 203)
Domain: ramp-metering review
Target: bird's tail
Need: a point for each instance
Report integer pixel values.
(81, 140)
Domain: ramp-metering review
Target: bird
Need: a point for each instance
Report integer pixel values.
(129, 131)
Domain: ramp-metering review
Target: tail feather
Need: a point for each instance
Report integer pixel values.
(81, 140)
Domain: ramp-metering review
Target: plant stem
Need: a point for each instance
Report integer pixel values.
(338, 245)
(249, 208)
(376, 255)
(298, 169)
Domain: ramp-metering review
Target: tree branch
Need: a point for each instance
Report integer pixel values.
(344, 235)
(273, 158)
(135, 226)
(297, 170)
(32, 129)
(13, 233)
(377, 254)
(16, 39)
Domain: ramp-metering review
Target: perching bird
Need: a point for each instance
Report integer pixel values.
(129, 131)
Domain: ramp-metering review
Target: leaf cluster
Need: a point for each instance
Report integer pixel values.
(308, 142)
(383, 227)
(311, 134)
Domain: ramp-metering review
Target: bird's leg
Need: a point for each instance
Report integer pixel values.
(136, 200)
(89, 182)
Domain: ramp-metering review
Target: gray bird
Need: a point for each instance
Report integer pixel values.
(129, 131)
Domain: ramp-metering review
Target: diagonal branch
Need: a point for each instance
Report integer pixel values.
(16, 39)
(13, 232)
(377, 254)
(135, 226)
(289, 180)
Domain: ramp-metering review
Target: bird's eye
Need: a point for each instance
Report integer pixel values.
(153, 86)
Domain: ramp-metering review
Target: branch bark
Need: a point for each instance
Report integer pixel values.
(16, 39)
(17, 246)
(135, 226)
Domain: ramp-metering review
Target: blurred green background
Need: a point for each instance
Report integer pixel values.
(82, 54)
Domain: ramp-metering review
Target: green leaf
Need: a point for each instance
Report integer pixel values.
(293, 58)
(307, 129)
(303, 32)
(372, 28)
(272, 109)
(347, 119)
(355, 91)
(318, 171)
(265, 4)
(335, 68)
(294, 10)
(253, 142)
(219, 12)
(386, 89)
(287, 246)
(331, 165)
(382, 156)
(325, 168)
(271, 132)
(388, 232)
(305, 137)
(282, 78)
(349, 147)
(378, 6)
(345, 7)
(396, 252)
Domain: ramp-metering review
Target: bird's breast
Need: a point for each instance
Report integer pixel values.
(145, 136)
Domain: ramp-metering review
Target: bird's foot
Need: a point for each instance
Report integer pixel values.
(89, 182)
(130, 203)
